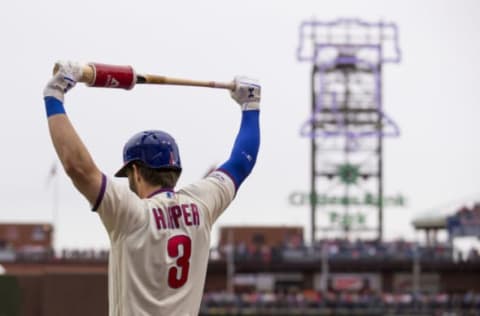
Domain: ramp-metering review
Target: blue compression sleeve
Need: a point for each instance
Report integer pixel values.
(53, 106)
(245, 149)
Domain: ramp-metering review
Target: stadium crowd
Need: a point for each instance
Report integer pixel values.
(465, 222)
(308, 301)
(343, 249)
(469, 214)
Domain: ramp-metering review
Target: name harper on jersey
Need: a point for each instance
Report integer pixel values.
(176, 216)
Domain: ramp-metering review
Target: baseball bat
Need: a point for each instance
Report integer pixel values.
(116, 76)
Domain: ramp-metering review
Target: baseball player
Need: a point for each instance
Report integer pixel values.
(159, 235)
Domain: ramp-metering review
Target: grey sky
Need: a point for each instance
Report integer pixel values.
(433, 94)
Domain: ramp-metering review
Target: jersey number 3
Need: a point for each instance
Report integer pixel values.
(178, 274)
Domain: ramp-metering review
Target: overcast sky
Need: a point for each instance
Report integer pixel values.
(433, 95)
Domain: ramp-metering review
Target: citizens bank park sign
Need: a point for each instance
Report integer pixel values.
(356, 219)
(368, 199)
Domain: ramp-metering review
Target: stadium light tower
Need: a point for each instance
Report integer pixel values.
(347, 124)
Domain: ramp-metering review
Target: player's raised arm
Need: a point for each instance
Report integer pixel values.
(244, 153)
(71, 151)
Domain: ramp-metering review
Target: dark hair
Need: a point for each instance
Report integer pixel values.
(166, 178)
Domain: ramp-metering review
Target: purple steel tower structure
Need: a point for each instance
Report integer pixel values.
(347, 123)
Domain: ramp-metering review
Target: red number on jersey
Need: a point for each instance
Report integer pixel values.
(175, 279)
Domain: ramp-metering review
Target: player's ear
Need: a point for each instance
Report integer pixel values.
(136, 172)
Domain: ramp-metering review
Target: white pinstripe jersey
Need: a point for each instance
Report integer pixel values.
(160, 245)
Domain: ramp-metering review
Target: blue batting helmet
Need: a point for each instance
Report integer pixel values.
(155, 149)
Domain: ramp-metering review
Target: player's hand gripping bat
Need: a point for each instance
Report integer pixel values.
(114, 76)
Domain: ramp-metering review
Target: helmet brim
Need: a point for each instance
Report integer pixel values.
(122, 173)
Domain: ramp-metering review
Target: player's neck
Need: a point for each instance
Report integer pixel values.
(141, 187)
(146, 190)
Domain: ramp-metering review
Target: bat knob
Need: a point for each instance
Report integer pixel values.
(87, 72)
(55, 68)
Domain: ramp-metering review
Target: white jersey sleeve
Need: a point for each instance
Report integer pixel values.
(215, 192)
(120, 209)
